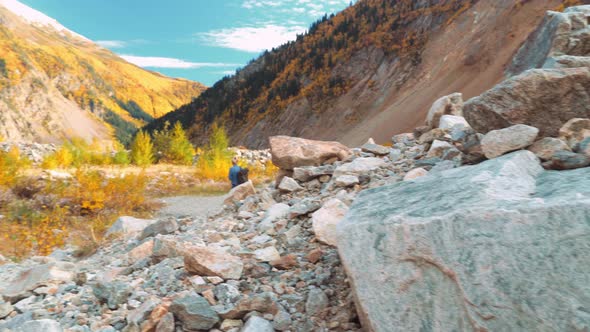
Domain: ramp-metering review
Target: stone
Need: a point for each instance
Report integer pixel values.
(308, 173)
(376, 149)
(240, 193)
(346, 180)
(164, 227)
(35, 277)
(5, 309)
(166, 247)
(206, 261)
(432, 135)
(262, 303)
(415, 173)
(257, 324)
(166, 324)
(395, 155)
(142, 251)
(267, 254)
(315, 255)
(286, 262)
(226, 293)
(470, 248)
(575, 131)
(316, 302)
(229, 324)
(360, 166)
(501, 141)
(113, 293)
(535, 98)
(584, 147)
(545, 148)
(443, 150)
(290, 152)
(451, 105)
(447, 122)
(282, 321)
(289, 185)
(44, 325)
(273, 214)
(142, 313)
(194, 312)
(128, 226)
(303, 208)
(324, 220)
(563, 160)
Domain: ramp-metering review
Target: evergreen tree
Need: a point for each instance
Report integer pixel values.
(142, 149)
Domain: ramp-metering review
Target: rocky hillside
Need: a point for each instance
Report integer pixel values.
(373, 69)
(468, 223)
(56, 84)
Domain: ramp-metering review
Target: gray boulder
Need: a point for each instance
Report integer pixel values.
(545, 148)
(493, 247)
(360, 166)
(194, 312)
(257, 324)
(542, 98)
(559, 34)
(498, 142)
(289, 185)
(375, 149)
(129, 226)
(112, 293)
(165, 226)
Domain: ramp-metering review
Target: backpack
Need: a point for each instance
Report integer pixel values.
(243, 175)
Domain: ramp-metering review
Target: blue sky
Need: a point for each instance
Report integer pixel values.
(201, 40)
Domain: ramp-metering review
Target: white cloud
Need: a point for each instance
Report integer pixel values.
(162, 62)
(252, 39)
(111, 43)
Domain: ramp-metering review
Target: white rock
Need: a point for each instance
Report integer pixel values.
(449, 121)
(324, 220)
(346, 180)
(267, 254)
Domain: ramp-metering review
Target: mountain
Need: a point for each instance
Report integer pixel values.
(372, 70)
(56, 84)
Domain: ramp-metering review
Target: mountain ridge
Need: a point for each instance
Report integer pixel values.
(59, 85)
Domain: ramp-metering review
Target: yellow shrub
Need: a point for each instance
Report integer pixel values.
(11, 166)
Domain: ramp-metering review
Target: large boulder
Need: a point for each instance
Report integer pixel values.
(447, 105)
(559, 35)
(212, 262)
(290, 152)
(498, 142)
(194, 312)
(37, 276)
(542, 98)
(493, 247)
(239, 193)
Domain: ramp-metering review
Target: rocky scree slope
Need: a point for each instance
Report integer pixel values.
(447, 229)
(55, 84)
(369, 71)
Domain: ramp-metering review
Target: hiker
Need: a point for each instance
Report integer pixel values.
(234, 171)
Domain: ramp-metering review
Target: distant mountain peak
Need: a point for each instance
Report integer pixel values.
(36, 17)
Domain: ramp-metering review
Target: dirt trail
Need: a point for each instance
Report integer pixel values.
(193, 206)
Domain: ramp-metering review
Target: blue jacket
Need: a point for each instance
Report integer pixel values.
(233, 175)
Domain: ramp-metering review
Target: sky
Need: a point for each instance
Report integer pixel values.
(201, 40)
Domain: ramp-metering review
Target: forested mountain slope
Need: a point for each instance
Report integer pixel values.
(371, 70)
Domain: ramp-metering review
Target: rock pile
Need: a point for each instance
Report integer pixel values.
(34, 151)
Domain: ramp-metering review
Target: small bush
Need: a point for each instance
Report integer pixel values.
(11, 166)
